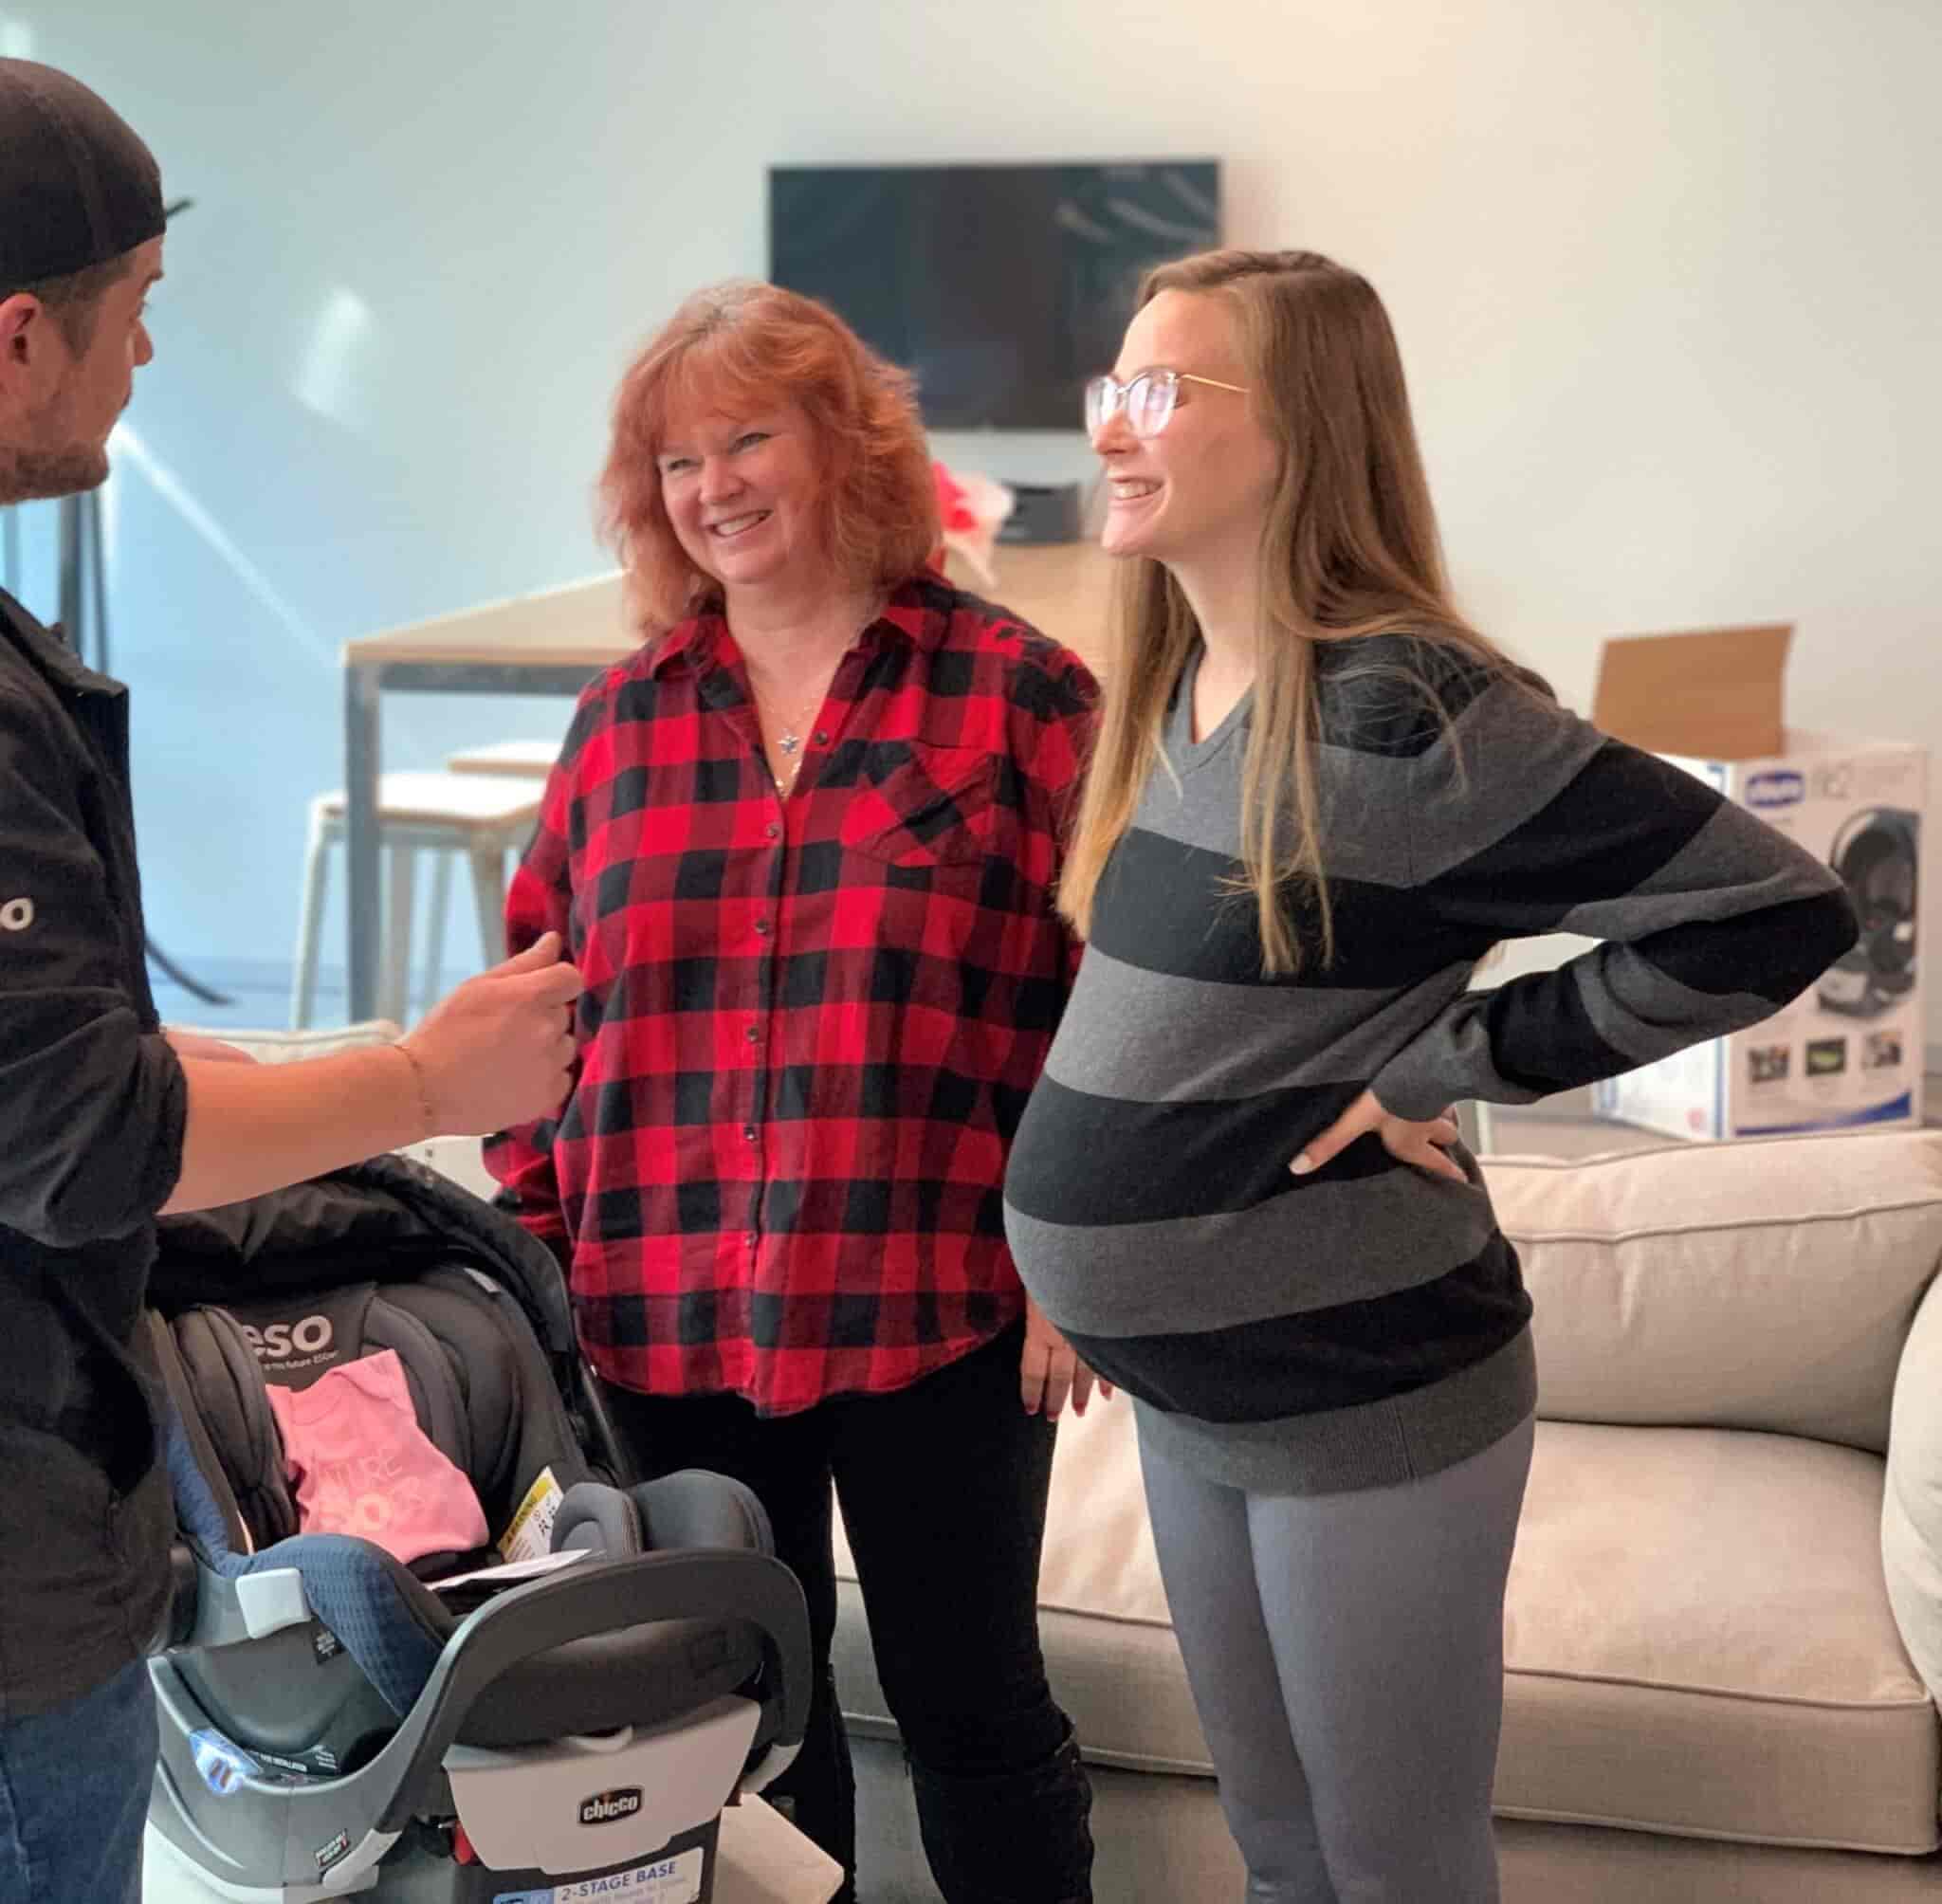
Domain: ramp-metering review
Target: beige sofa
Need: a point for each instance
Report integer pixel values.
(1715, 1687)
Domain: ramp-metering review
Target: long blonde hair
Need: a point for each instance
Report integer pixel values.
(1349, 547)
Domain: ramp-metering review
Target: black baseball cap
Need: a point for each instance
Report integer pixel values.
(76, 186)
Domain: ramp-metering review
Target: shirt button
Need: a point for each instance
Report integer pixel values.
(753, 1035)
(748, 1133)
(762, 929)
(822, 740)
(773, 830)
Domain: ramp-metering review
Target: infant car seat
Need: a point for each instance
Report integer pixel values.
(458, 1729)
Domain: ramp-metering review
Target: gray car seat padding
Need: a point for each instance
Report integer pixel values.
(517, 1423)
(486, 1397)
(389, 1622)
(395, 1627)
(489, 1415)
(225, 1382)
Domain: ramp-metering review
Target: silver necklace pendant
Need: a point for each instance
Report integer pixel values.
(789, 743)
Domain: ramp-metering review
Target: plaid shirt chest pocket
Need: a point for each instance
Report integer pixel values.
(922, 807)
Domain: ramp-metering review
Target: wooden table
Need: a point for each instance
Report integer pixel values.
(1063, 588)
(550, 643)
(555, 642)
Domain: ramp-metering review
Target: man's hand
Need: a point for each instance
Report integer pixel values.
(211, 1051)
(1050, 1373)
(499, 1050)
(1418, 1144)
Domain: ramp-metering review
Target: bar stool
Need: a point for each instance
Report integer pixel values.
(534, 757)
(479, 815)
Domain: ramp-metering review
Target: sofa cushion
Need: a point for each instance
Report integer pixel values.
(1119, 1681)
(1698, 1640)
(1699, 1632)
(1697, 1637)
(1734, 1285)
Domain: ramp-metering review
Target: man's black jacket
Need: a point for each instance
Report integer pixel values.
(92, 1105)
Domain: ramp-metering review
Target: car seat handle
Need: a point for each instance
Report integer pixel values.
(597, 1597)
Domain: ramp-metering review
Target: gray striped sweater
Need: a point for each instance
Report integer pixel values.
(1367, 1324)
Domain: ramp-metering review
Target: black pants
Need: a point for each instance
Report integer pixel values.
(942, 1487)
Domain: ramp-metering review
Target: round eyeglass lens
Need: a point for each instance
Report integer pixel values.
(1149, 402)
(1099, 404)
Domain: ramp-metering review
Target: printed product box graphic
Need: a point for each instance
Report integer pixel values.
(1849, 1051)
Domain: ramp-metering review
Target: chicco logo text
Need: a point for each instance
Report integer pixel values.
(1782, 789)
(282, 1340)
(607, 1806)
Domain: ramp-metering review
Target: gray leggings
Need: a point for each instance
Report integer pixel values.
(1345, 1653)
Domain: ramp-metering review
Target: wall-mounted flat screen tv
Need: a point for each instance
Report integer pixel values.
(1002, 286)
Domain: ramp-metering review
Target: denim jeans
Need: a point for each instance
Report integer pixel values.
(942, 1487)
(74, 1785)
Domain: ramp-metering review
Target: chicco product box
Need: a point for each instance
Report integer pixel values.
(1848, 1052)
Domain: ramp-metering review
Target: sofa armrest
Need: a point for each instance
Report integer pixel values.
(1912, 1501)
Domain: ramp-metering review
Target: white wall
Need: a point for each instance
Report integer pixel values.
(1665, 272)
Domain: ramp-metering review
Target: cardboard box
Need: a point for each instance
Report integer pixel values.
(764, 1859)
(1849, 1052)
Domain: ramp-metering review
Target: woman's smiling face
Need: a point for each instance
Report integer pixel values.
(741, 485)
(1204, 483)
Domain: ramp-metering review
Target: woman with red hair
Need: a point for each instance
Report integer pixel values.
(803, 848)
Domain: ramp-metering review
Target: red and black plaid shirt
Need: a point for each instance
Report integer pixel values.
(810, 1023)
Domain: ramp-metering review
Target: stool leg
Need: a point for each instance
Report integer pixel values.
(310, 923)
(394, 989)
(489, 895)
(434, 927)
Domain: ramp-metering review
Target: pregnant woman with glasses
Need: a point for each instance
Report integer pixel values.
(1319, 798)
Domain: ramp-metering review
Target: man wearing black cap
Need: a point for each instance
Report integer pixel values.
(105, 1120)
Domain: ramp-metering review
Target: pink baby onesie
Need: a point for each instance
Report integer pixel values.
(362, 1465)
